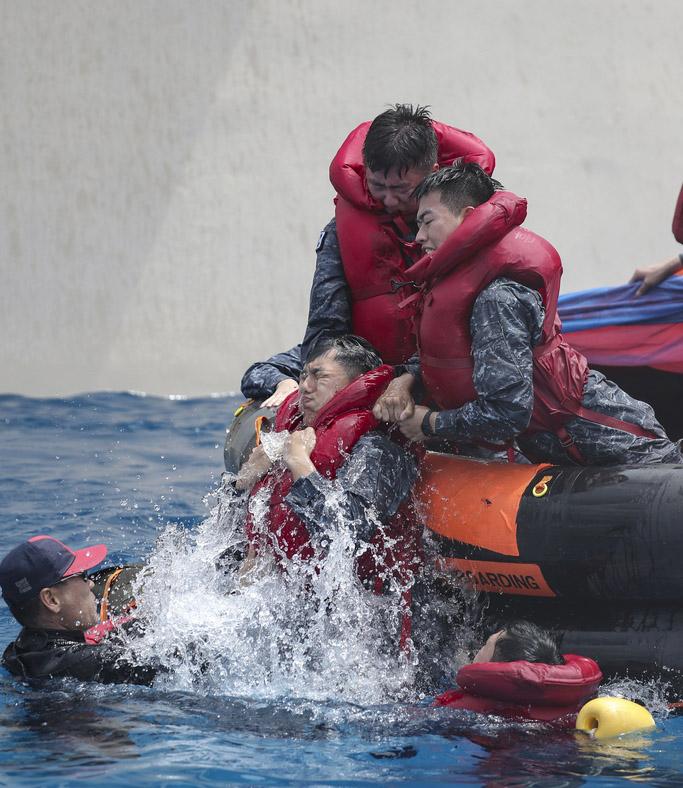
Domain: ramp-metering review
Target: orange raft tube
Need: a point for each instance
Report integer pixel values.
(593, 553)
(554, 531)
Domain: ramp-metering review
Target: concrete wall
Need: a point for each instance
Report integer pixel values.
(164, 162)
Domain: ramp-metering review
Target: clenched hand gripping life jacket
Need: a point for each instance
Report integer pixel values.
(376, 247)
(487, 245)
(338, 427)
(526, 690)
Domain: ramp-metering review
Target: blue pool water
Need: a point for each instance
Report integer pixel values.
(128, 470)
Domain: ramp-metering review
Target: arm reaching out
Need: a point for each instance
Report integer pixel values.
(263, 379)
(653, 275)
(283, 389)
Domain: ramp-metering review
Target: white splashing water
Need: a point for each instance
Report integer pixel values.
(653, 693)
(301, 634)
(305, 635)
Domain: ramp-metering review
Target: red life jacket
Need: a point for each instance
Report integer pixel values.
(487, 245)
(374, 245)
(338, 427)
(525, 690)
(96, 634)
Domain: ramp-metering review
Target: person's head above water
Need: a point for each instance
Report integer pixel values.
(400, 150)
(446, 197)
(520, 640)
(45, 587)
(332, 364)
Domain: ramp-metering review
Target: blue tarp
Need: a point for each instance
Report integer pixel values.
(614, 327)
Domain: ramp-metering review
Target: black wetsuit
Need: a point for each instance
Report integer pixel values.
(52, 653)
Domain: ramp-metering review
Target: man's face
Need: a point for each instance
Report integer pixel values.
(394, 189)
(485, 653)
(320, 380)
(436, 222)
(78, 606)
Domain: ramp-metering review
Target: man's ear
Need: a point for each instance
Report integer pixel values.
(467, 210)
(435, 167)
(51, 600)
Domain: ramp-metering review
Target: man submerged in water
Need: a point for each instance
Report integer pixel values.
(520, 673)
(47, 590)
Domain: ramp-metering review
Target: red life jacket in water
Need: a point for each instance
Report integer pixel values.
(375, 246)
(338, 426)
(95, 635)
(526, 690)
(487, 245)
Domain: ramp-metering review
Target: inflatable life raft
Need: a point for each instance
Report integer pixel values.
(594, 554)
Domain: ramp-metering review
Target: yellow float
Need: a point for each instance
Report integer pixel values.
(605, 718)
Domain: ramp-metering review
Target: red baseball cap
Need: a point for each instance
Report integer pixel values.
(40, 562)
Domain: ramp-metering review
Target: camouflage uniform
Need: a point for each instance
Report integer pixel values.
(260, 380)
(329, 315)
(369, 488)
(505, 325)
(329, 311)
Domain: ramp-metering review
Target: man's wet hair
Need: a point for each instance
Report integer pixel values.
(522, 640)
(401, 138)
(461, 185)
(356, 355)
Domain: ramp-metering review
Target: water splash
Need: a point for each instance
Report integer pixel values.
(652, 693)
(312, 633)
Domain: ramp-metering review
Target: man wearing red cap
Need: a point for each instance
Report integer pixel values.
(47, 590)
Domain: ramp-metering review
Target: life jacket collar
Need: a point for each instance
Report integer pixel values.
(361, 393)
(485, 225)
(532, 683)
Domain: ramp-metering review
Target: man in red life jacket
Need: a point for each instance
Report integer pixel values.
(520, 673)
(334, 448)
(364, 251)
(369, 244)
(491, 355)
(47, 590)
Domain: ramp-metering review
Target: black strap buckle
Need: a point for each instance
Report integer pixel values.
(396, 285)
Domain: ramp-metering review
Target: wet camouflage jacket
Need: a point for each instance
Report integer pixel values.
(369, 488)
(505, 326)
(329, 311)
(329, 315)
(260, 380)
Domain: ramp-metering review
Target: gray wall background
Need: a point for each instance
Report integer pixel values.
(164, 162)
